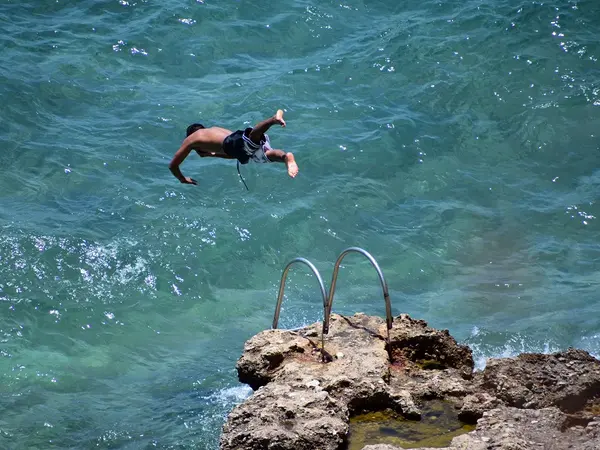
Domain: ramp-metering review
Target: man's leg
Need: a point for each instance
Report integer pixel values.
(287, 158)
(256, 135)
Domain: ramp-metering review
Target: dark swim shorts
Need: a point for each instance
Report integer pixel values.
(238, 145)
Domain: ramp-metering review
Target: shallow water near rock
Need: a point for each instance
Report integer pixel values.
(438, 425)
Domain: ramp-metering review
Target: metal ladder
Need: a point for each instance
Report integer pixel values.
(282, 288)
(328, 299)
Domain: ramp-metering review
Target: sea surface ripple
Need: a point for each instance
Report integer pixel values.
(456, 141)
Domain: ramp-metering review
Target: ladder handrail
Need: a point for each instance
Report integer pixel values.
(282, 288)
(386, 295)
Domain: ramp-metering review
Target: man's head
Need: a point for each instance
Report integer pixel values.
(193, 128)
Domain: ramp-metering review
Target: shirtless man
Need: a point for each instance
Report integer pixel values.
(243, 145)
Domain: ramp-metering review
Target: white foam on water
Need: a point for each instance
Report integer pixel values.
(486, 345)
(229, 397)
(235, 394)
(591, 344)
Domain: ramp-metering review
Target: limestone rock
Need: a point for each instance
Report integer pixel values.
(305, 394)
(265, 352)
(412, 341)
(527, 429)
(568, 380)
(287, 416)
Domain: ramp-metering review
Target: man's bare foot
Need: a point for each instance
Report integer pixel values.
(279, 117)
(292, 167)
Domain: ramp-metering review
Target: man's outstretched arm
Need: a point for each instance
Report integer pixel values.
(178, 158)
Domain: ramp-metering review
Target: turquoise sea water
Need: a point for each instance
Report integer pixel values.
(457, 141)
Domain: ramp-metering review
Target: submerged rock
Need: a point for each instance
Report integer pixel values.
(305, 395)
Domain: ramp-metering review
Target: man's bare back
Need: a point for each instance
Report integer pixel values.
(220, 142)
(209, 141)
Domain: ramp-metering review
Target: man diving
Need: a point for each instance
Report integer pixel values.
(243, 145)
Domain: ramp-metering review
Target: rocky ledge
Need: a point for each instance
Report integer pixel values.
(533, 401)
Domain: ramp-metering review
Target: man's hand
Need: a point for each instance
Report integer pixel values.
(188, 180)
